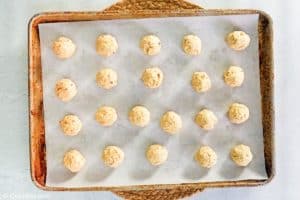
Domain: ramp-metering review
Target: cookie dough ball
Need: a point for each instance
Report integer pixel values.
(206, 157)
(238, 113)
(241, 155)
(150, 44)
(70, 125)
(65, 89)
(107, 78)
(152, 77)
(206, 119)
(106, 45)
(106, 115)
(63, 47)
(112, 156)
(191, 45)
(234, 76)
(74, 160)
(238, 40)
(139, 116)
(200, 82)
(157, 154)
(171, 122)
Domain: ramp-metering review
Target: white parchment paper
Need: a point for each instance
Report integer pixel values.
(174, 94)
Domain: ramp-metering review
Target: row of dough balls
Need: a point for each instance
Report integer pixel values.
(107, 45)
(156, 154)
(152, 77)
(170, 121)
(65, 89)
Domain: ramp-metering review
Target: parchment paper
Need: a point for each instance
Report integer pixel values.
(174, 94)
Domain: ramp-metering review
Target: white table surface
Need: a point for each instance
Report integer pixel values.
(15, 181)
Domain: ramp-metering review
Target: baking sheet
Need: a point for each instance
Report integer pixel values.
(174, 94)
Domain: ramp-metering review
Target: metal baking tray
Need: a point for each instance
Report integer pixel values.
(142, 9)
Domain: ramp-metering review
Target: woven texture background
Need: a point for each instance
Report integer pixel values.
(134, 5)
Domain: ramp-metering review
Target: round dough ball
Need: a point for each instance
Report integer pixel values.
(191, 45)
(112, 156)
(206, 119)
(171, 122)
(201, 82)
(70, 125)
(63, 47)
(139, 116)
(107, 78)
(74, 160)
(238, 40)
(157, 154)
(152, 77)
(65, 89)
(234, 76)
(150, 44)
(238, 113)
(106, 45)
(106, 115)
(206, 157)
(241, 155)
